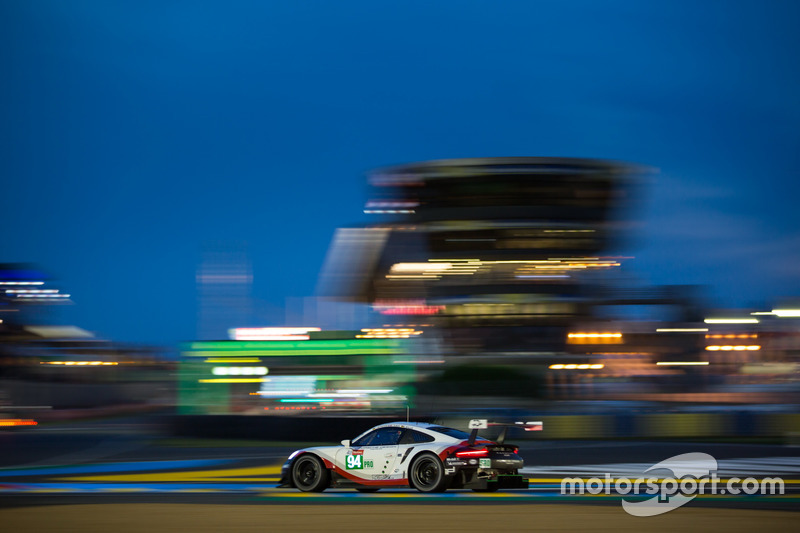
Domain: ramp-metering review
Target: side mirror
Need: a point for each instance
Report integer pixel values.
(346, 443)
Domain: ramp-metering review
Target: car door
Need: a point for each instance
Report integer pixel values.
(373, 456)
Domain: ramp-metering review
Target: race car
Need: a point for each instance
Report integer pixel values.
(427, 457)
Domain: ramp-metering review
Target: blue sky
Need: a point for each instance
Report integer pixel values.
(133, 132)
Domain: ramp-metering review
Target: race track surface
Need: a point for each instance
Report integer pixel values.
(195, 518)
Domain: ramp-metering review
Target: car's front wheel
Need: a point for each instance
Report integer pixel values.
(309, 474)
(427, 474)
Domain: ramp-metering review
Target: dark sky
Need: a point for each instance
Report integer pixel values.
(133, 132)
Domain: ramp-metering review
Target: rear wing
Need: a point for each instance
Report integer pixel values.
(481, 423)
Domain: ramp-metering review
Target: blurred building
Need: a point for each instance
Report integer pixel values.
(498, 278)
(291, 370)
(499, 254)
(48, 369)
(224, 288)
(514, 261)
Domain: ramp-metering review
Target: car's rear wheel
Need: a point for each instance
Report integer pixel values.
(309, 474)
(427, 474)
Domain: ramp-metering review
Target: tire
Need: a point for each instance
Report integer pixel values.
(427, 474)
(309, 474)
(367, 489)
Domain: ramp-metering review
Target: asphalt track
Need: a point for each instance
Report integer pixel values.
(403, 517)
(85, 479)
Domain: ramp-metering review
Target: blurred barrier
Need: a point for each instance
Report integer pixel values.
(670, 425)
(612, 426)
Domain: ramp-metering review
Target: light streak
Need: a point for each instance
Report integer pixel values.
(682, 363)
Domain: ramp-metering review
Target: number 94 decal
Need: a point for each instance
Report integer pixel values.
(357, 462)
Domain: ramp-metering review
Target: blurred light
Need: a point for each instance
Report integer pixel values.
(233, 360)
(786, 313)
(270, 334)
(412, 310)
(233, 380)
(364, 391)
(239, 371)
(31, 291)
(731, 321)
(769, 368)
(420, 362)
(435, 268)
(294, 348)
(59, 332)
(317, 395)
(594, 335)
(281, 393)
(9, 422)
(42, 295)
(21, 282)
(733, 336)
(594, 338)
(728, 348)
(419, 267)
(304, 400)
(681, 330)
(388, 333)
(682, 363)
(382, 204)
(80, 363)
(582, 366)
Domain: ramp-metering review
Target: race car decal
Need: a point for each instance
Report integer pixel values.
(357, 462)
(362, 481)
(447, 451)
(405, 455)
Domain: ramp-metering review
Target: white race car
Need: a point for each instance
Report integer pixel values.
(427, 457)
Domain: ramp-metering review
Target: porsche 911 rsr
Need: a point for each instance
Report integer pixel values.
(427, 457)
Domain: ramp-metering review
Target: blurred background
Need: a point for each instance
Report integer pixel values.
(264, 212)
